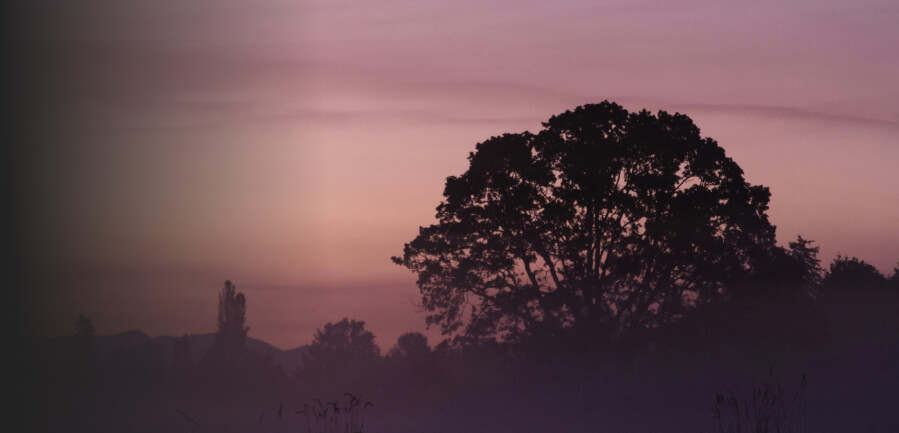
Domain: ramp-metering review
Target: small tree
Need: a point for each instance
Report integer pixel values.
(232, 316)
(84, 328)
(85, 348)
(412, 362)
(342, 348)
(894, 280)
(850, 274)
(807, 255)
(782, 275)
(774, 303)
(411, 345)
(231, 332)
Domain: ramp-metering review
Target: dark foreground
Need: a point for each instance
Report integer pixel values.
(851, 386)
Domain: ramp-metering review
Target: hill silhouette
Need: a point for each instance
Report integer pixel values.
(199, 344)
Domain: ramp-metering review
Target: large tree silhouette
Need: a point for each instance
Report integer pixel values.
(603, 222)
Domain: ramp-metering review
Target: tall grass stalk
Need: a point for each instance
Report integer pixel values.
(332, 417)
(769, 409)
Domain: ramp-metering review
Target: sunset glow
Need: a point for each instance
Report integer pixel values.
(293, 147)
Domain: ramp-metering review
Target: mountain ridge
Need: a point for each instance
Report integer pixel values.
(198, 345)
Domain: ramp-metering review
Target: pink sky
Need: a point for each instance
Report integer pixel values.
(294, 146)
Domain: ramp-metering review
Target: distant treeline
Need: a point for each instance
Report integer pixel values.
(851, 300)
(810, 313)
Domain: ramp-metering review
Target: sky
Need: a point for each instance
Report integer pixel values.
(293, 147)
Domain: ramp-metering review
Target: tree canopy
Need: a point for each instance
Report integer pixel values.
(603, 222)
(411, 345)
(852, 274)
(342, 346)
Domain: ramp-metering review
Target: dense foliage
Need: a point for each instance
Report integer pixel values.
(604, 222)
